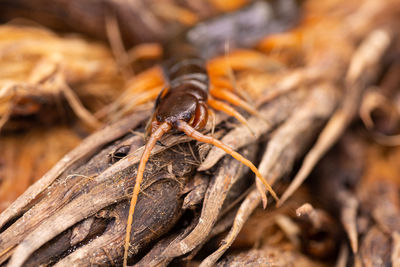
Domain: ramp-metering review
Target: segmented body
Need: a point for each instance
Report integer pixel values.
(187, 94)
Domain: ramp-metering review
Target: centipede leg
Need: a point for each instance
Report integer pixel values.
(241, 60)
(211, 114)
(221, 82)
(221, 106)
(155, 136)
(146, 80)
(228, 82)
(141, 98)
(143, 86)
(191, 132)
(281, 41)
(230, 97)
(145, 51)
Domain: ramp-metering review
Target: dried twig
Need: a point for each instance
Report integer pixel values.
(363, 60)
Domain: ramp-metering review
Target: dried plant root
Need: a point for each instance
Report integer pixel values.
(246, 209)
(378, 42)
(374, 100)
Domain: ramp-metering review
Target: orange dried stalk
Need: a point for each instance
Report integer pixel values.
(37, 64)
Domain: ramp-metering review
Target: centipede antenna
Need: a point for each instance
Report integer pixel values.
(191, 132)
(221, 106)
(155, 136)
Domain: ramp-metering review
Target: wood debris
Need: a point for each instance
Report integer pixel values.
(325, 136)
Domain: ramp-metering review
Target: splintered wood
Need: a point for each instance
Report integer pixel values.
(327, 101)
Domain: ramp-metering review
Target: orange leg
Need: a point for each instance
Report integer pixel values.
(212, 114)
(227, 6)
(221, 82)
(227, 83)
(148, 83)
(146, 80)
(189, 131)
(155, 136)
(141, 98)
(221, 106)
(146, 96)
(281, 41)
(241, 60)
(232, 98)
(145, 51)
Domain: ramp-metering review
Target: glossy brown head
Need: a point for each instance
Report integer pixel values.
(184, 103)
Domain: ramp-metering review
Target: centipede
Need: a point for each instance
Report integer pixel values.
(184, 105)
(192, 91)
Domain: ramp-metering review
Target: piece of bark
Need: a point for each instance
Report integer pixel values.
(268, 256)
(154, 257)
(395, 257)
(375, 249)
(319, 240)
(158, 211)
(197, 191)
(348, 216)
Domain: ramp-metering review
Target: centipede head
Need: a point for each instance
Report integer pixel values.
(183, 104)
